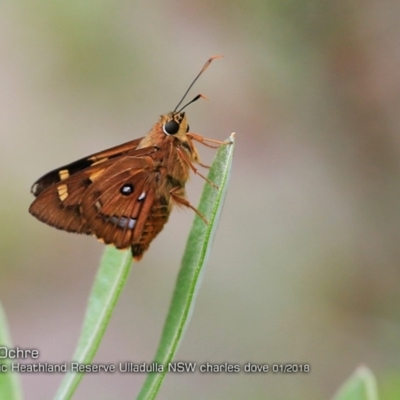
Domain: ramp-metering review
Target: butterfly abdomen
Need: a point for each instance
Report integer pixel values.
(154, 224)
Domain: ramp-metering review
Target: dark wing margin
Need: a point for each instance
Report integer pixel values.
(59, 174)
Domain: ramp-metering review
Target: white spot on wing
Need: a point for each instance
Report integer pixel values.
(123, 222)
(131, 223)
(142, 196)
(35, 188)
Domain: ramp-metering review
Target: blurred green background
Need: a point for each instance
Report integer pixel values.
(305, 265)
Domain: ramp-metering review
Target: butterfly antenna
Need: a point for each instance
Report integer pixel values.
(199, 96)
(194, 81)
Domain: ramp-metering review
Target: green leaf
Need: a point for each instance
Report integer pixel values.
(360, 386)
(10, 386)
(112, 275)
(188, 282)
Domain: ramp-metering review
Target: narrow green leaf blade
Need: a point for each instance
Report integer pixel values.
(112, 275)
(196, 254)
(10, 385)
(360, 386)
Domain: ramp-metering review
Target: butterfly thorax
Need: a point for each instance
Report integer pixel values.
(174, 147)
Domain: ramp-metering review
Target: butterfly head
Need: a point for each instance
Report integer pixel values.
(175, 124)
(175, 128)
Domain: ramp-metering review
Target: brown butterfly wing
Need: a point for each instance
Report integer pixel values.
(59, 174)
(124, 207)
(60, 192)
(59, 205)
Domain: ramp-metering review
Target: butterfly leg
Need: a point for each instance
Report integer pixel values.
(204, 165)
(194, 169)
(203, 140)
(178, 198)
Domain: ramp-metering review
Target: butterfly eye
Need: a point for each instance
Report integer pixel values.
(127, 189)
(171, 127)
(187, 129)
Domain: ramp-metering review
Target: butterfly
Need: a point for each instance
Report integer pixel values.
(124, 195)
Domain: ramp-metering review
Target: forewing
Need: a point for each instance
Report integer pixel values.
(60, 192)
(62, 173)
(58, 205)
